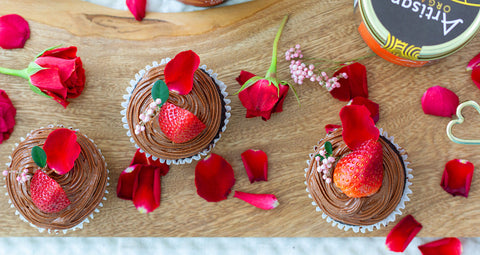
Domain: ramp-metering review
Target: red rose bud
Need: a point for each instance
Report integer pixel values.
(330, 127)
(354, 86)
(402, 234)
(62, 150)
(7, 116)
(262, 201)
(439, 101)
(137, 8)
(372, 107)
(214, 178)
(14, 31)
(256, 165)
(262, 96)
(457, 177)
(445, 246)
(57, 73)
(358, 126)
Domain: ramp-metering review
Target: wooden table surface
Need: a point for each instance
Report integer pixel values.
(113, 47)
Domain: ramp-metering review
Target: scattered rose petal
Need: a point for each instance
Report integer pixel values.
(473, 62)
(179, 72)
(457, 177)
(214, 178)
(137, 8)
(262, 201)
(147, 189)
(439, 101)
(256, 165)
(357, 125)
(14, 31)
(62, 150)
(330, 127)
(371, 106)
(355, 85)
(126, 181)
(7, 116)
(475, 75)
(445, 246)
(402, 234)
(261, 99)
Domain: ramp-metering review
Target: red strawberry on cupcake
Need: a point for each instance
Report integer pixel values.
(47, 194)
(178, 124)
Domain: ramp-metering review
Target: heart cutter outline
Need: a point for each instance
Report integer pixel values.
(460, 120)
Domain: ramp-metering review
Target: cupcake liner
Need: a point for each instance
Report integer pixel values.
(204, 152)
(391, 217)
(87, 219)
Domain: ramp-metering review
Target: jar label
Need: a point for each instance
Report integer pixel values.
(413, 24)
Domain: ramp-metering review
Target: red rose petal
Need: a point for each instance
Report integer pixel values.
(445, 246)
(439, 101)
(355, 85)
(371, 106)
(475, 75)
(244, 77)
(147, 189)
(357, 125)
(163, 168)
(256, 165)
(179, 72)
(473, 62)
(457, 177)
(137, 8)
(402, 234)
(262, 201)
(7, 116)
(48, 80)
(126, 182)
(65, 53)
(139, 158)
(62, 150)
(65, 67)
(330, 127)
(14, 31)
(214, 178)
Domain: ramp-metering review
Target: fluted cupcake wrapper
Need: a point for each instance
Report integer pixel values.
(391, 217)
(87, 219)
(200, 154)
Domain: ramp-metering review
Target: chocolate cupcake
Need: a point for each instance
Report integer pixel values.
(206, 100)
(360, 213)
(84, 185)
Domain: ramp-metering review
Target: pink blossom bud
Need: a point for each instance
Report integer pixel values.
(297, 46)
(331, 159)
(328, 180)
(5, 173)
(152, 105)
(158, 101)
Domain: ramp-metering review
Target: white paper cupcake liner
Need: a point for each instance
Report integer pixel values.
(389, 218)
(204, 152)
(87, 219)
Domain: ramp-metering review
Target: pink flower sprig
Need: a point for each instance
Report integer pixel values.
(22, 176)
(325, 162)
(152, 110)
(316, 72)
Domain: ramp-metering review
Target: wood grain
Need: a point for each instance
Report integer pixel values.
(325, 29)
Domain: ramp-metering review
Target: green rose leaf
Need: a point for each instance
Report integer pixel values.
(160, 91)
(39, 156)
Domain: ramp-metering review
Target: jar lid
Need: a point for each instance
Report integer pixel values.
(421, 29)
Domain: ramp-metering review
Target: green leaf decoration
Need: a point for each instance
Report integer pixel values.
(160, 91)
(39, 156)
(51, 48)
(328, 148)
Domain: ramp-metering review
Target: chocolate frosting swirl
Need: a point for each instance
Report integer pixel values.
(84, 185)
(358, 211)
(204, 101)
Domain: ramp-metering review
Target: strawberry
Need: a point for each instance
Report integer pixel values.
(178, 124)
(47, 194)
(360, 173)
